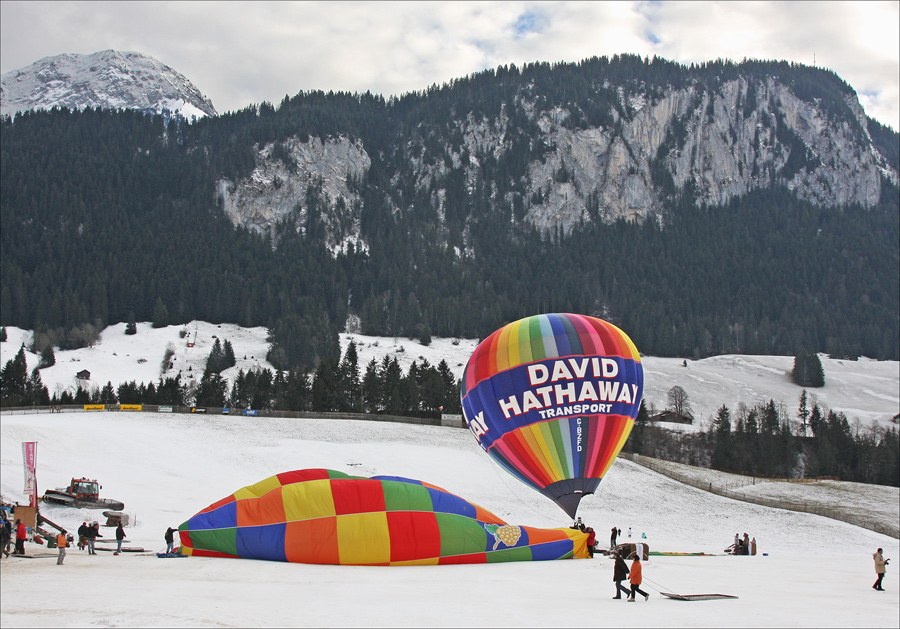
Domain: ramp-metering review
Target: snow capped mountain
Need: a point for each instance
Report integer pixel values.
(108, 79)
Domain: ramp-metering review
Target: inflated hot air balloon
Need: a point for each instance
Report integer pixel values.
(327, 517)
(552, 398)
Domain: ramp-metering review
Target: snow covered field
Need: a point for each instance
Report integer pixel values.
(818, 572)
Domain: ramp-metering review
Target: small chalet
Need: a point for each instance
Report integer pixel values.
(84, 374)
(672, 416)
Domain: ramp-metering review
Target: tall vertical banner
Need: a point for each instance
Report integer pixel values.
(29, 456)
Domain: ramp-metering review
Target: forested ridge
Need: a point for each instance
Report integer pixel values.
(110, 216)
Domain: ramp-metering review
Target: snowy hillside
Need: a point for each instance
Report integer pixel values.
(865, 389)
(815, 572)
(109, 79)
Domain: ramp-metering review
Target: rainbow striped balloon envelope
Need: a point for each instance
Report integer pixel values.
(327, 517)
(552, 398)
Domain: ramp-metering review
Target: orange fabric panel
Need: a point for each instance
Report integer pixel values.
(216, 505)
(312, 541)
(540, 536)
(258, 511)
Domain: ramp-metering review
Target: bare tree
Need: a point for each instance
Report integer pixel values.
(678, 401)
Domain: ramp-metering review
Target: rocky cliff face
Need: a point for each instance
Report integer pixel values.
(746, 134)
(108, 79)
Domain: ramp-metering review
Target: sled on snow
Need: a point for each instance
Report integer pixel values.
(697, 597)
(169, 555)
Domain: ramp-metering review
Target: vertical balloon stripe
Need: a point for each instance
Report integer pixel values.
(560, 336)
(515, 463)
(502, 352)
(564, 440)
(553, 451)
(544, 439)
(598, 427)
(612, 431)
(548, 338)
(572, 335)
(528, 455)
(536, 339)
(628, 424)
(491, 350)
(531, 437)
(558, 442)
(584, 332)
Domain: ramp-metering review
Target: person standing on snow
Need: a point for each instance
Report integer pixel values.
(636, 580)
(82, 535)
(21, 535)
(629, 532)
(170, 541)
(620, 573)
(120, 535)
(91, 535)
(61, 543)
(592, 539)
(4, 536)
(880, 563)
(612, 539)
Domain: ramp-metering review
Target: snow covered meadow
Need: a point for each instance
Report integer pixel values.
(816, 572)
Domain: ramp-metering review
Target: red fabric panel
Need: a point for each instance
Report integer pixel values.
(414, 535)
(460, 559)
(216, 505)
(357, 495)
(298, 476)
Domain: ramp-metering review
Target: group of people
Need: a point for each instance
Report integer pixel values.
(592, 535)
(634, 576)
(743, 545)
(6, 536)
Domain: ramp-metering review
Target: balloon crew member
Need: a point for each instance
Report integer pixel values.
(612, 538)
(62, 543)
(170, 541)
(636, 580)
(120, 535)
(91, 535)
(5, 531)
(82, 535)
(620, 573)
(21, 535)
(592, 539)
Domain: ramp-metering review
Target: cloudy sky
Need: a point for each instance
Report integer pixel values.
(240, 53)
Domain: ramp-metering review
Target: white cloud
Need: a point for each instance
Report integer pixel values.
(240, 53)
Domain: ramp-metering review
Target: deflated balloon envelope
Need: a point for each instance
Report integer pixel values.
(327, 517)
(552, 398)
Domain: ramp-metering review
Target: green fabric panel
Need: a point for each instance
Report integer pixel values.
(460, 535)
(560, 444)
(522, 553)
(405, 497)
(220, 540)
(537, 339)
(332, 474)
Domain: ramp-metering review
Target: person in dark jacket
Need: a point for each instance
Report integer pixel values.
(612, 539)
(4, 537)
(82, 535)
(620, 573)
(91, 535)
(170, 540)
(120, 535)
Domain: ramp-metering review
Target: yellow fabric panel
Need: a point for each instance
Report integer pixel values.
(547, 434)
(502, 354)
(259, 489)
(513, 347)
(579, 546)
(187, 550)
(432, 561)
(363, 538)
(539, 454)
(544, 448)
(308, 500)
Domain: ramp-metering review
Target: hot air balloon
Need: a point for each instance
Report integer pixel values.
(327, 517)
(552, 398)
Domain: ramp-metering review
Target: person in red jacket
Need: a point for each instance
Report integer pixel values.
(20, 538)
(592, 539)
(636, 580)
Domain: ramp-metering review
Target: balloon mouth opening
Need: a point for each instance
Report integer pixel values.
(567, 494)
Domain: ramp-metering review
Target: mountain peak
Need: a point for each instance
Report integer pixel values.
(110, 79)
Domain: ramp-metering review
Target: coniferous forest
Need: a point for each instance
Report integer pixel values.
(110, 216)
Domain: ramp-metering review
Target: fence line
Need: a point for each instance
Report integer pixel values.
(727, 490)
(445, 420)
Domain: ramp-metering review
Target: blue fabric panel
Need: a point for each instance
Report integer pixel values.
(262, 542)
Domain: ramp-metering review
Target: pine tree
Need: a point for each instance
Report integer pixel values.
(160, 314)
(723, 450)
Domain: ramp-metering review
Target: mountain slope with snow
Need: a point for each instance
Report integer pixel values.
(109, 79)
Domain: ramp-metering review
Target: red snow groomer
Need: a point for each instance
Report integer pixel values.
(82, 493)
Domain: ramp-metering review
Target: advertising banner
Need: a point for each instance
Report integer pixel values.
(95, 407)
(248, 411)
(164, 409)
(29, 456)
(131, 407)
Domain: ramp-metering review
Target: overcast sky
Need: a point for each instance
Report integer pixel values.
(240, 53)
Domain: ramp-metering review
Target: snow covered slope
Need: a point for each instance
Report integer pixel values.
(865, 389)
(108, 79)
